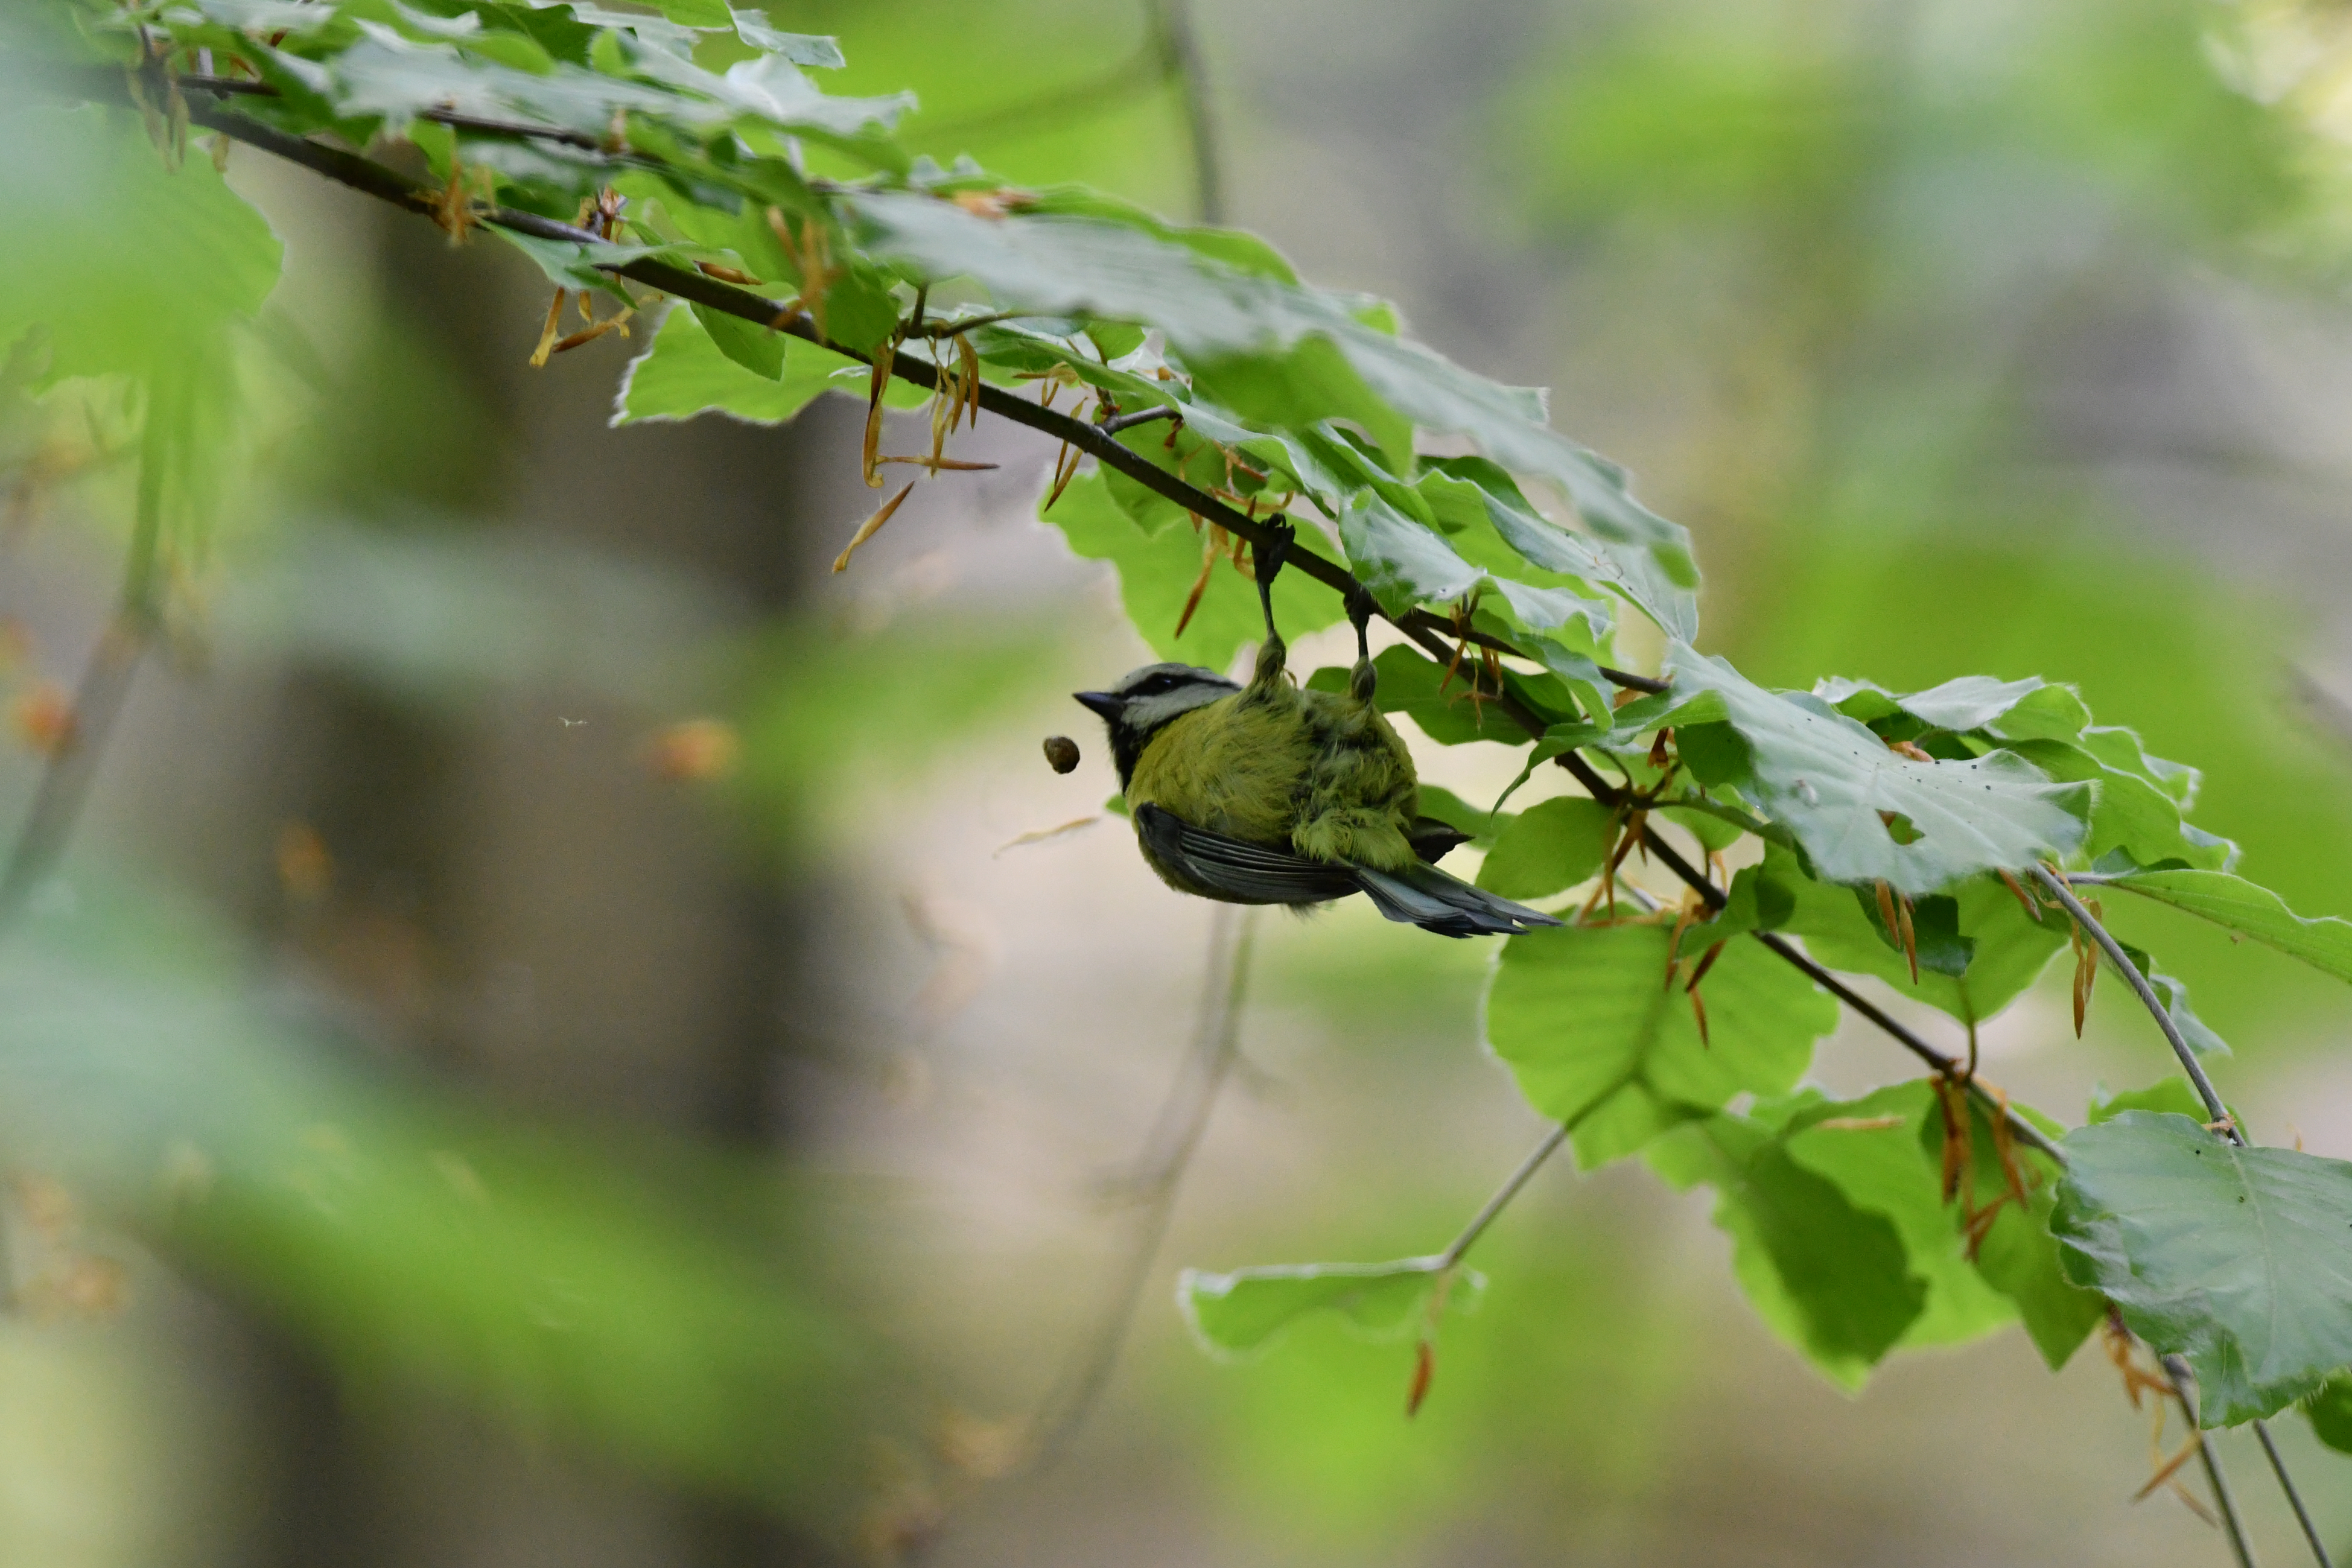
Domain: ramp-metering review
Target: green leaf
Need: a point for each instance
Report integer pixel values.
(2008, 710)
(758, 350)
(2129, 813)
(2175, 1096)
(1212, 313)
(1882, 1170)
(1587, 1022)
(1446, 807)
(2239, 1260)
(1828, 778)
(696, 13)
(683, 373)
(124, 263)
(1831, 1279)
(1549, 847)
(1157, 572)
(1246, 1311)
(2325, 943)
(1414, 686)
(2174, 995)
(801, 49)
(575, 264)
(2007, 949)
(2330, 1411)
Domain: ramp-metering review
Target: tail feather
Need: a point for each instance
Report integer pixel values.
(1425, 897)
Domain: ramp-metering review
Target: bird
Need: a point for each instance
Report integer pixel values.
(1266, 793)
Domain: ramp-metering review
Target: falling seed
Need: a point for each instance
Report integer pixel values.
(1062, 752)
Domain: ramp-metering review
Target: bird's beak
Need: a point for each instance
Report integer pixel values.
(1104, 705)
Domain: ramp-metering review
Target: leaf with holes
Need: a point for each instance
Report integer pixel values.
(1829, 778)
(2239, 1260)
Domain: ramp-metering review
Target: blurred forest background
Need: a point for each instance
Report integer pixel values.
(582, 1147)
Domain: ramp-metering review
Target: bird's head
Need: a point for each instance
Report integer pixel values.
(1145, 701)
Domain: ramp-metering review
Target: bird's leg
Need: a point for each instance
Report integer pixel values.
(1362, 680)
(1267, 559)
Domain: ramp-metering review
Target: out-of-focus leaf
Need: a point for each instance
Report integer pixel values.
(539, 1275)
(124, 263)
(2325, 943)
(1828, 778)
(1246, 1311)
(2238, 1258)
(1549, 847)
(1597, 1036)
(2025, 709)
(801, 49)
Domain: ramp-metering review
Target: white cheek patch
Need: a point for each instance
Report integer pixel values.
(1145, 715)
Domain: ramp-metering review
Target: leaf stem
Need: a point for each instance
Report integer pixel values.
(2220, 1113)
(1506, 1193)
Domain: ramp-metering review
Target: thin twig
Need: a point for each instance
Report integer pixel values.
(72, 765)
(1117, 422)
(1167, 1150)
(2220, 1117)
(2294, 1498)
(2214, 1109)
(2184, 1386)
(1503, 1193)
(1179, 61)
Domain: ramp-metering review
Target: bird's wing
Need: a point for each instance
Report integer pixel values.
(1425, 897)
(1433, 841)
(1242, 871)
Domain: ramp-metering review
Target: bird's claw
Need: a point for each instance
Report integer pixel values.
(1267, 558)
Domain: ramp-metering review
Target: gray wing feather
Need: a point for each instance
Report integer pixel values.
(1243, 872)
(1425, 897)
(1257, 873)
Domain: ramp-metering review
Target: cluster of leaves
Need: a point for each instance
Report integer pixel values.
(1885, 833)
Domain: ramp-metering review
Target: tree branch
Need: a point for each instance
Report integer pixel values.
(1426, 631)
(387, 184)
(2294, 1498)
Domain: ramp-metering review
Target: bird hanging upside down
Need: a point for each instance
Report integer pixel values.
(1269, 794)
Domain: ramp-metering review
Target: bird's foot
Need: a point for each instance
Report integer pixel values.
(1267, 559)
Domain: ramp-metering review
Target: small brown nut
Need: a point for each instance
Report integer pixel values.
(1062, 752)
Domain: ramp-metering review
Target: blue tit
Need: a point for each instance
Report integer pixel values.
(1269, 794)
